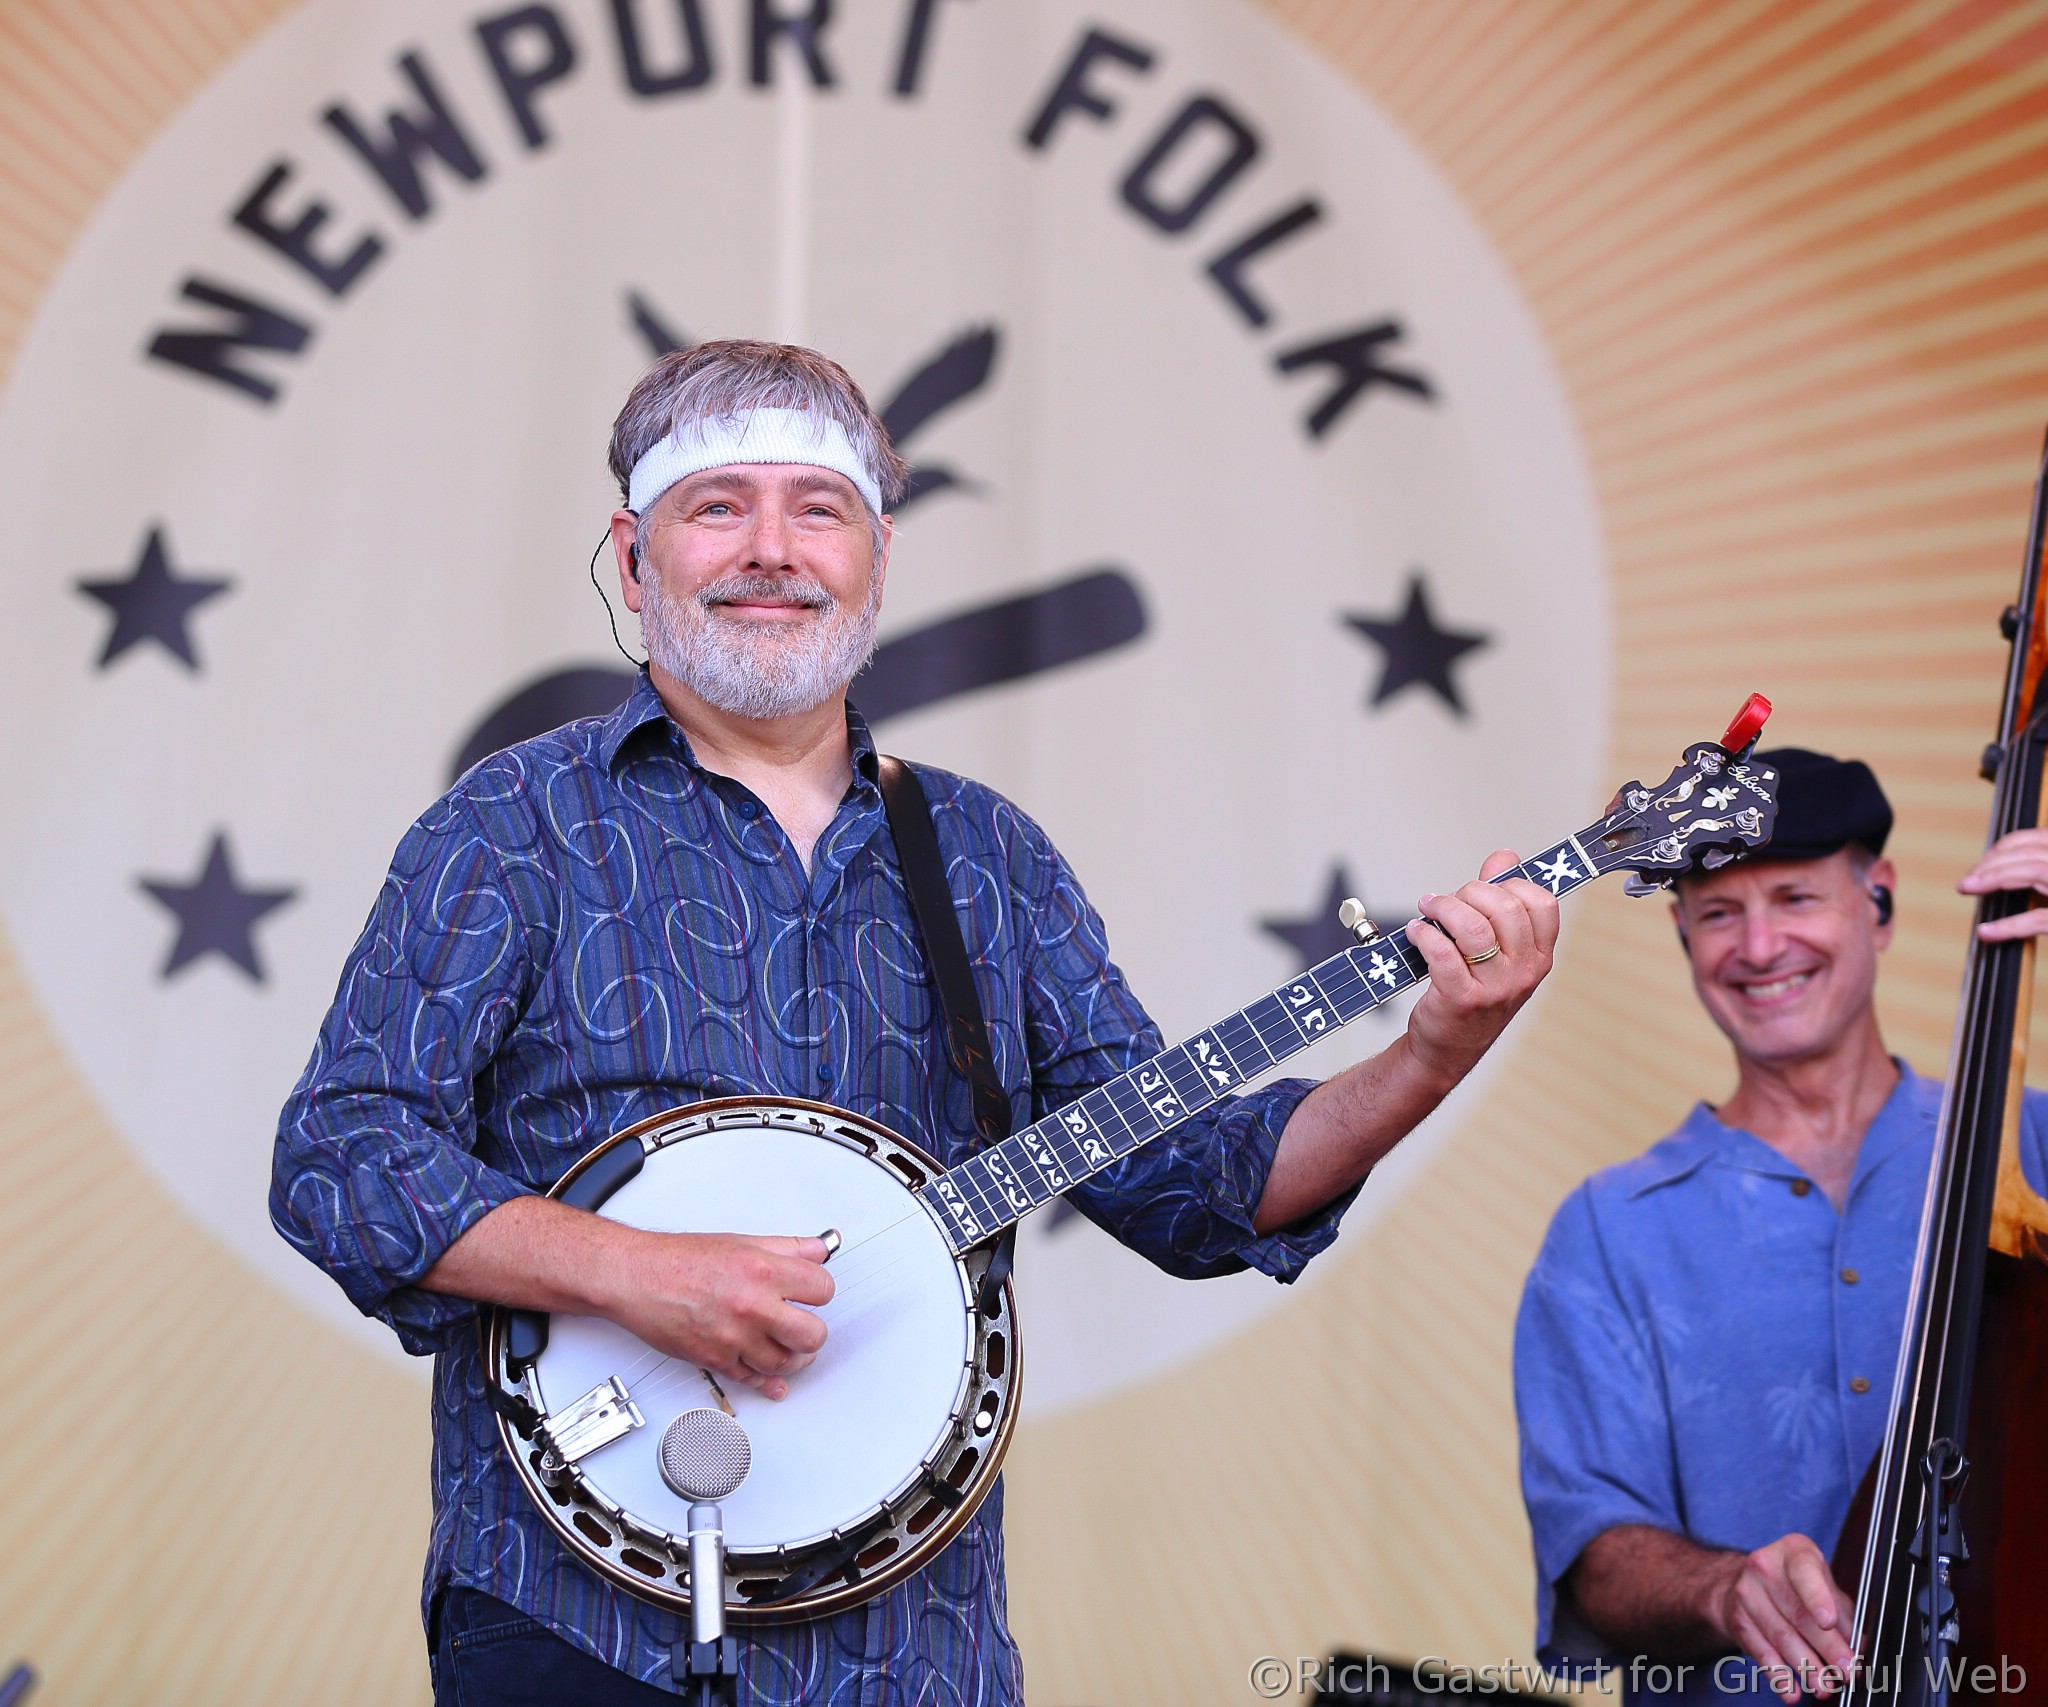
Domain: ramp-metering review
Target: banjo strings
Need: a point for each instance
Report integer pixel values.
(657, 1373)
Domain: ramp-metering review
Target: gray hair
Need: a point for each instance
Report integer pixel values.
(728, 380)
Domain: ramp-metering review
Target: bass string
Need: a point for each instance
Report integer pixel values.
(1917, 1380)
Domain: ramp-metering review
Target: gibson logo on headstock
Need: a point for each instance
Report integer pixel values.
(1698, 831)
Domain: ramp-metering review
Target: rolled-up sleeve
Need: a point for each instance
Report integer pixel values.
(375, 1172)
(1186, 1201)
(1595, 1443)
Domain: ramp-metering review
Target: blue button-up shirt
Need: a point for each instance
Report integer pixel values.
(1707, 1346)
(590, 928)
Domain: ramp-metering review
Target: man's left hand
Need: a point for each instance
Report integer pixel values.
(1473, 991)
(2017, 861)
(1342, 1127)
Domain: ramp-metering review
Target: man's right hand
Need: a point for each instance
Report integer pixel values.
(1780, 1605)
(729, 1302)
(1649, 1591)
(726, 1301)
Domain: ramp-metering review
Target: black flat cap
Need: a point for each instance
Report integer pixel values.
(1824, 804)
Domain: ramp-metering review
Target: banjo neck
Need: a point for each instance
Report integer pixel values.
(1711, 805)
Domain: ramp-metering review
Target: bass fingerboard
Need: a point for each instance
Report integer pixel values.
(1005, 1182)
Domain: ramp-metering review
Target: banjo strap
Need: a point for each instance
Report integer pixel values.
(938, 923)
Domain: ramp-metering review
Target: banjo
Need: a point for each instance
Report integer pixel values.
(890, 1440)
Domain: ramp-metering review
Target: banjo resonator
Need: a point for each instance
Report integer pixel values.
(884, 1446)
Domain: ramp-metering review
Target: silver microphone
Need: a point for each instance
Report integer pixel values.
(705, 1455)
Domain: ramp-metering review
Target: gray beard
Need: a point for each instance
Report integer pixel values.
(748, 669)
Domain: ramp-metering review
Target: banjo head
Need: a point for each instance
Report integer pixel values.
(887, 1441)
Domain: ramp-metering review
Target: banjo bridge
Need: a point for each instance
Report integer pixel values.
(604, 1414)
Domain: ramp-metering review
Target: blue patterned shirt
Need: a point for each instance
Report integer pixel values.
(589, 928)
(1706, 1346)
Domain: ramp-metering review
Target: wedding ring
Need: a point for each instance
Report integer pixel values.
(1475, 959)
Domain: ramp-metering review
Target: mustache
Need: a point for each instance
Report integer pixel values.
(765, 589)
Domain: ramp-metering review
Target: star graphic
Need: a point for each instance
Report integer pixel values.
(153, 603)
(1318, 936)
(215, 914)
(1418, 652)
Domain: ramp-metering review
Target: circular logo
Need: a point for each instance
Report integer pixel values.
(1249, 546)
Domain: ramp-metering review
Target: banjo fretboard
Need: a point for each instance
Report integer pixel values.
(1005, 1182)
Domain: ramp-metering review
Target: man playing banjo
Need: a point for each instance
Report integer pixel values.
(697, 896)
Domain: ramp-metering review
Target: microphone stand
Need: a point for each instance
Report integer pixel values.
(705, 1456)
(706, 1663)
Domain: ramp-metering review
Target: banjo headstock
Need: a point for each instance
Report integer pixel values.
(1716, 805)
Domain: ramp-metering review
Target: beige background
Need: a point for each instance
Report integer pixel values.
(1792, 260)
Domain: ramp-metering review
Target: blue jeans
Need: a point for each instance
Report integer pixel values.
(488, 1654)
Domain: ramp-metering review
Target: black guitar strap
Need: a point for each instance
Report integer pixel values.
(945, 951)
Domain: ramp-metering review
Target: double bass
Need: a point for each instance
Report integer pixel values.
(1947, 1541)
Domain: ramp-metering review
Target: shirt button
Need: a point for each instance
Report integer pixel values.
(1800, 1187)
(1850, 1277)
(1859, 1385)
(824, 1073)
(749, 809)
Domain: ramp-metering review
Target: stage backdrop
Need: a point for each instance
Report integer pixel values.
(1348, 437)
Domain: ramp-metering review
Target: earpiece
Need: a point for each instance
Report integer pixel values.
(633, 561)
(604, 543)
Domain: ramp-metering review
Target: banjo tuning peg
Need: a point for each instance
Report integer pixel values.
(1351, 915)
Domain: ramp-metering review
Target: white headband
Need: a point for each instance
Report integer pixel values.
(767, 435)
